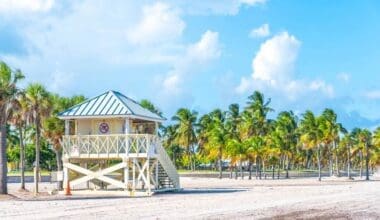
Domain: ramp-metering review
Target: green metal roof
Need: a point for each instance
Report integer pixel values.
(110, 104)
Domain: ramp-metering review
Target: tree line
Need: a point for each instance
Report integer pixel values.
(246, 138)
(238, 138)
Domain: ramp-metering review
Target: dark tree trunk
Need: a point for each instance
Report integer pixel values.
(236, 172)
(349, 162)
(319, 163)
(220, 153)
(3, 159)
(257, 168)
(288, 168)
(58, 155)
(231, 170)
(361, 163)
(250, 170)
(273, 171)
(22, 159)
(366, 162)
(37, 162)
(241, 169)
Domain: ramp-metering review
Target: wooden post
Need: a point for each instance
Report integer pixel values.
(67, 127)
(126, 172)
(148, 175)
(134, 175)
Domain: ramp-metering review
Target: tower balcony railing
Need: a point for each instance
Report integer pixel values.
(110, 146)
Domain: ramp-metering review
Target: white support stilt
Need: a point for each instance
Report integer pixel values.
(148, 175)
(134, 175)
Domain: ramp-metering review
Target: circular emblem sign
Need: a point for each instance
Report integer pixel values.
(104, 128)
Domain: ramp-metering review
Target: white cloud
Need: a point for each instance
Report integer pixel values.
(160, 23)
(207, 49)
(218, 7)
(13, 6)
(344, 77)
(273, 70)
(262, 31)
(374, 94)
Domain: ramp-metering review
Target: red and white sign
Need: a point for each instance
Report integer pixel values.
(104, 128)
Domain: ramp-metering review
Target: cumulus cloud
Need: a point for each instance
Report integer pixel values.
(262, 31)
(219, 7)
(159, 23)
(15, 6)
(273, 70)
(207, 49)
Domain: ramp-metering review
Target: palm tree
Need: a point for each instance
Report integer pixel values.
(332, 130)
(38, 104)
(186, 136)
(219, 136)
(365, 137)
(18, 120)
(286, 129)
(8, 95)
(312, 134)
(347, 142)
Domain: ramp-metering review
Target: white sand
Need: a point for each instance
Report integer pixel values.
(214, 199)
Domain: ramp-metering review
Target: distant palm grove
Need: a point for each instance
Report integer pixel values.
(240, 139)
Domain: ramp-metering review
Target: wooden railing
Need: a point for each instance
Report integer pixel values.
(118, 145)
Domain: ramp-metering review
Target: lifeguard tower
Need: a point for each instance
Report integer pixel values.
(111, 143)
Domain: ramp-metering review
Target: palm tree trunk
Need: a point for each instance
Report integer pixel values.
(22, 158)
(3, 158)
(287, 168)
(366, 162)
(236, 172)
(220, 163)
(257, 167)
(241, 169)
(250, 170)
(37, 165)
(319, 163)
(231, 168)
(361, 164)
(336, 160)
(349, 162)
(273, 171)
(59, 167)
(330, 162)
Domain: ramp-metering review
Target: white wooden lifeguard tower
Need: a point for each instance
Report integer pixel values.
(112, 143)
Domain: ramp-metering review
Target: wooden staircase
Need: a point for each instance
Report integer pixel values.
(168, 178)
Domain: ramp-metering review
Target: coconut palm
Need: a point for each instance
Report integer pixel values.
(38, 105)
(286, 130)
(186, 137)
(8, 95)
(312, 134)
(218, 136)
(347, 142)
(18, 120)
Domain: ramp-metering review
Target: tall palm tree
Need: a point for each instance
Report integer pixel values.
(8, 95)
(39, 106)
(312, 134)
(347, 142)
(18, 120)
(286, 129)
(332, 129)
(365, 138)
(186, 136)
(219, 136)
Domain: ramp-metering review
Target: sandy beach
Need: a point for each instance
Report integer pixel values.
(208, 198)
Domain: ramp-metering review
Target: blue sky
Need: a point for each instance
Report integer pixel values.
(203, 54)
